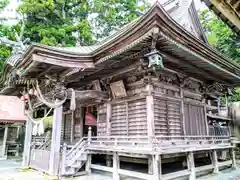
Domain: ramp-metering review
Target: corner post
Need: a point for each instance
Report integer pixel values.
(150, 164)
(150, 112)
(215, 161)
(191, 166)
(56, 140)
(157, 167)
(27, 142)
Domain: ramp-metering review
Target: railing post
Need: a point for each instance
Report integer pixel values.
(88, 164)
(89, 134)
(64, 154)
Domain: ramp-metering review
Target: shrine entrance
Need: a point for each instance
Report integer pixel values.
(90, 120)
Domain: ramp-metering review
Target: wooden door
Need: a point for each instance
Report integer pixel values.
(195, 122)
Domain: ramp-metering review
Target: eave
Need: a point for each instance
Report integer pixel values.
(132, 38)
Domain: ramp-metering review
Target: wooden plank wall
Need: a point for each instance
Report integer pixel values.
(195, 122)
(78, 117)
(128, 118)
(66, 128)
(119, 119)
(137, 117)
(167, 117)
(102, 120)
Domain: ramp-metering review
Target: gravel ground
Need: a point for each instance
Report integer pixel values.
(227, 174)
(10, 170)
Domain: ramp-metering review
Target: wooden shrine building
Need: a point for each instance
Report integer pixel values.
(148, 94)
(12, 121)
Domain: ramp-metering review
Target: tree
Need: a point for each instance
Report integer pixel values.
(221, 36)
(3, 4)
(56, 22)
(223, 39)
(5, 50)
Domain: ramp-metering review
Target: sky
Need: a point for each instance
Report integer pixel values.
(199, 5)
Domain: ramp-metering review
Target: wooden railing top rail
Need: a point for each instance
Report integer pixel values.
(146, 137)
(79, 143)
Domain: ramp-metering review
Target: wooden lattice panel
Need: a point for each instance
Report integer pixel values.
(119, 119)
(174, 117)
(137, 117)
(101, 121)
(66, 128)
(167, 117)
(160, 118)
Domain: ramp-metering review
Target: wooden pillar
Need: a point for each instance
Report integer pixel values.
(116, 166)
(215, 161)
(109, 115)
(5, 140)
(191, 166)
(56, 139)
(150, 111)
(206, 120)
(27, 142)
(233, 154)
(88, 164)
(81, 122)
(157, 170)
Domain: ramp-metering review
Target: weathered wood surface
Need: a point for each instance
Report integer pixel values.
(103, 119)
(54, 159)
(160, 144)
(66, 129)
(78, 121)
(167, 117)
(39, 160)
(88, 95)
(195, 122)
(129, 118)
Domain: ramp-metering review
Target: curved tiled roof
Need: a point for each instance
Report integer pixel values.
(135, 32)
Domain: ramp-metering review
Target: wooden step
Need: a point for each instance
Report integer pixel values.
(81, 173)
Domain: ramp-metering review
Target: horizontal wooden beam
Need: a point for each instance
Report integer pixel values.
(88, 94)
(67, 63)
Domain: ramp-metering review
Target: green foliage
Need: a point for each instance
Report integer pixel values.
(221, 36)
(54, 22)
(236, 95)
(5, 51)
(223, 39)
(3, 3)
